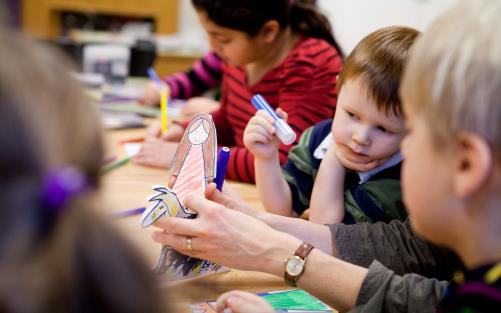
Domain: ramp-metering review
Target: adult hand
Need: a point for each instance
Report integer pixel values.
(227, 237)
(242, 302)
(156, 153)
(232, 200)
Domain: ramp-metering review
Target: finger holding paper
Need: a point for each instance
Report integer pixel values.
(226, 237)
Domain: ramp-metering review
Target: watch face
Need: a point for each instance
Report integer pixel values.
(294, 266)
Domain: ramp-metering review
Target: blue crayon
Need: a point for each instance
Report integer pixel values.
(154, 76)
(127, 213)
(283, 130)
(222, 165)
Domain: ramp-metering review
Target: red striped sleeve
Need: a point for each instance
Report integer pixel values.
(204, 75)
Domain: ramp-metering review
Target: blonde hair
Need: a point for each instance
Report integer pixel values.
(378, 61)
(453, 78)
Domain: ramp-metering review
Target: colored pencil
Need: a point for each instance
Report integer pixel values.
(117, 164)
(163, 109)
(109, 159)
(129, 140)
(128, 213)
(154, 76)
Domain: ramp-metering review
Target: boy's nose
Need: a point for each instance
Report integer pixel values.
(361, 136)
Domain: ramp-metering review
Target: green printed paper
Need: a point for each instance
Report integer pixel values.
(294, 300)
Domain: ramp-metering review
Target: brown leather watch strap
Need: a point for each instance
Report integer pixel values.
(301, 253)
(303, 250)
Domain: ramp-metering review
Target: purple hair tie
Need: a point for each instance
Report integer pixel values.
(60, 186)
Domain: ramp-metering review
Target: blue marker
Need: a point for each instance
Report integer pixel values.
(154, 76)
(222, 165)
(284, 131)
(127, 213)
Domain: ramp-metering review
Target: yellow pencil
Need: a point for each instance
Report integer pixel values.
(163, 109)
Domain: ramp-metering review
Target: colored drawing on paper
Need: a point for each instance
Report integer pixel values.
(192, 169)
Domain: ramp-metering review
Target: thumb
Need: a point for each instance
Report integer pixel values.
(211, 193)
(282, 114)
(196, 202)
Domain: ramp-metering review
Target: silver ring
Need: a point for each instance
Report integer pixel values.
(188, 243)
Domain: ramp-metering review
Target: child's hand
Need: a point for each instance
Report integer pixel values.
(198, 105)
(242, 302)
(356, 166)
(327, 196)
(174, 132)
(156, 153)
(332, 158)
(260, 137)
(151, 96)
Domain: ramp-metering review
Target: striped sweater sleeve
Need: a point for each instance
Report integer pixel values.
(308, 93)
(205, 74)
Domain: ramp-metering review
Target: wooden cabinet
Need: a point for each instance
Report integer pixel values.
(172, 62)
(42, 18)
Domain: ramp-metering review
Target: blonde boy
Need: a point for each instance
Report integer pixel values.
(349, 167)
(452, 175)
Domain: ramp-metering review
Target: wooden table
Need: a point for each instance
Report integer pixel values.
(128, 186)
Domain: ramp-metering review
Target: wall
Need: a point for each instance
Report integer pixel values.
(353, 19)
(189, 26)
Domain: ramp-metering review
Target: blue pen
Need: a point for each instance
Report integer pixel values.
(154, 76)
(127, 213)
(222, 165)
(284, 131)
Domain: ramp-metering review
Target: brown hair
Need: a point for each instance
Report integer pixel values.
(378, 61)
(73, 261)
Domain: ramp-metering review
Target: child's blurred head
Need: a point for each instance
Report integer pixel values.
(56, 256)
(369, 124)
(241, 32)
(451, 92)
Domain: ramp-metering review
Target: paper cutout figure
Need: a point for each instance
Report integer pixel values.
(164, 202)
(192, 168)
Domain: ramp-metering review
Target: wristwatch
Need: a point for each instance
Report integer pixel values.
(294, 266)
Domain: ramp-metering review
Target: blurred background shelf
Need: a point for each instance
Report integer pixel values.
(42, 18)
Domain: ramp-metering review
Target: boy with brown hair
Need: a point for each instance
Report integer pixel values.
(345, 170)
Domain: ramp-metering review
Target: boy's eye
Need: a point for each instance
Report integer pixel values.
(382, 129)
(353, 116)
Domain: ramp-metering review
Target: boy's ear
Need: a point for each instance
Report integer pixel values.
(474, 164)
(269, 31)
